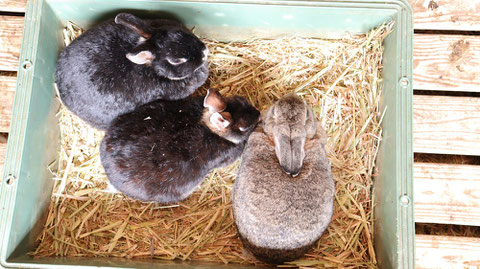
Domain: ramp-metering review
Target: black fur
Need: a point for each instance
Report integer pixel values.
(97, 82)
(162, 151)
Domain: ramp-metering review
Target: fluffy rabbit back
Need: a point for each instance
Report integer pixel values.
(123, 63)
(279, 217)
(162, 150)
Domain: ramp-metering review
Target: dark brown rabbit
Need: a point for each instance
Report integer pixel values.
(126, 62)
(278, 216)
(162, 150)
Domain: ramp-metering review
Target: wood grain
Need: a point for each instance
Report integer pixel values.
(428, 14)
(447, 193)
(446, 62)
(3, 146)
(13, 5)
(461, 15)
(441, 62)
(7, 91)
(11, 28)
(446, 124)
(445, 252)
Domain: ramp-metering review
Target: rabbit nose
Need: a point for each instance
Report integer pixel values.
(205, 54)
(295, 173)
(289, 171)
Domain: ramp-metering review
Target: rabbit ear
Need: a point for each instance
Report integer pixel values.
(269, 120)
(283, 150)
(134, 24)
(214, 101)
(310, 122)
(142, 54)
(221, 120)
(290, 151)
(142, 57)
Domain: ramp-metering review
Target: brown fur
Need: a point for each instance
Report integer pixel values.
(290, 122)
(275, 256)
(280, 217)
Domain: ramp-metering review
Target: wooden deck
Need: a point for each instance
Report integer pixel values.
(446, 120)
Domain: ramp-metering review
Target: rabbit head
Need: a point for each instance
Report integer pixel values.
(290, 121)
(169, 48)
(232, 118)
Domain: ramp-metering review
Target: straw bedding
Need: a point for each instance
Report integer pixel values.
(340, 79)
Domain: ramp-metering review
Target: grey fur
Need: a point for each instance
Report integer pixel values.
(277, 216)
(290, 121)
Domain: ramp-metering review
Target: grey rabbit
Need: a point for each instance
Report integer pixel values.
(162, 150)
(279, 217)
(126, 62)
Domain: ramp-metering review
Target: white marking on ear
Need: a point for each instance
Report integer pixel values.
(214, 101)
(219, 121)
(210, 108)
(177, 61)
(141, 40)
(143, 57)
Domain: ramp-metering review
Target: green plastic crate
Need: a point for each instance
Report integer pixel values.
(26, 184)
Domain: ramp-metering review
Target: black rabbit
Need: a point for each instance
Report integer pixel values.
(162, 150)
(126, 62)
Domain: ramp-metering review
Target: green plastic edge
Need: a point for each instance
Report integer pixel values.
(22, 98)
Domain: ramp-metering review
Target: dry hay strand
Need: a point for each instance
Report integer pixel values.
(340, 79)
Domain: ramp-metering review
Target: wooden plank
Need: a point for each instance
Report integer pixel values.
(445, 252)
(7, 91)
(13, 5)
(11, 28)
(446, 62)
(428, 14)
(441, 62)
(461, 15)
(3, 146)
(446, 124)
(447, 193)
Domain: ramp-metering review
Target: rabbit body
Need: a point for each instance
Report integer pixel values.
(123, 63)
(280, 217)
(162, 150)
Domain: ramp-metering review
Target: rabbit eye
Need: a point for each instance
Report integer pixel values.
(177, 61)
(243, 129)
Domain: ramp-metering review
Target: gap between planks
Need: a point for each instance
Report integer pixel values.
(433, 251)
(447, 193)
